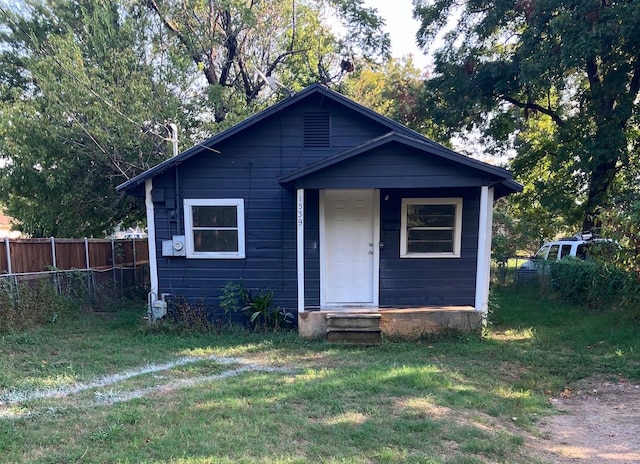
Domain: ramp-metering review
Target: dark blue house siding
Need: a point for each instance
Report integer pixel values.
(246, 167)
(427, 281)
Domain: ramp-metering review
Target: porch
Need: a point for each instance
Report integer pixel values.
(394, 323)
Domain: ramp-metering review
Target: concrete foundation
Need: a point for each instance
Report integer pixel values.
(405, 324)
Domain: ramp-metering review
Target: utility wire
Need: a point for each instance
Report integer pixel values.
(43, 50)
(73, 76)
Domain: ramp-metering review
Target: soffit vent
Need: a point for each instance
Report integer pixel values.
(317, 130)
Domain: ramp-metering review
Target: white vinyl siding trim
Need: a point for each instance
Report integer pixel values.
(191, 229)
(300, 248)
(151, 237)
(455, 230)
(483, 270)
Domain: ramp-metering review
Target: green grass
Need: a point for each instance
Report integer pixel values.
(450, 399)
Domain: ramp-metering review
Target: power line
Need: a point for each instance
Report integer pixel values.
(44, 51)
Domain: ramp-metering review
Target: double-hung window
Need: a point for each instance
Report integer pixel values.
(214, 228)
(431, 227)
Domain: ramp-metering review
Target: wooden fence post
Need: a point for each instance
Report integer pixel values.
(113, 268)
(7, 248)
(135, 259)
(54, 265)
(86, 258)
(8, 253)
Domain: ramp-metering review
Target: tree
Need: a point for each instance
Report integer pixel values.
(393, 89)
(570, 68)
(240, 46)
(84, 97)
(87, 87)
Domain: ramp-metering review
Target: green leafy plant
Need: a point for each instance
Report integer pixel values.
(258, 305)
(234, 296)
(262, 313)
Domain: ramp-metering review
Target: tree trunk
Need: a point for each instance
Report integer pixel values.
(601, 179)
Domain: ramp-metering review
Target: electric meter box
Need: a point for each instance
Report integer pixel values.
(174, 247)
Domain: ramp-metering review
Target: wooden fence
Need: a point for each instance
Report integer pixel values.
(121, 263)
(35, 255)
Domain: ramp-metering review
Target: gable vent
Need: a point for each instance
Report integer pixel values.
(317, 130)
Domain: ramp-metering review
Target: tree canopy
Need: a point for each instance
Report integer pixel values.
(87, 89)
(562, 75)
(393, 89)
(241, 46)
(83, 103)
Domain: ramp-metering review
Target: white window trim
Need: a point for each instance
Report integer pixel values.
(457, 233)
(188, 228)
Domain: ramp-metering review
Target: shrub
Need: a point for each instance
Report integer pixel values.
(595, 284)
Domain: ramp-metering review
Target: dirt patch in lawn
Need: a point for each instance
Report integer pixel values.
(599, 423)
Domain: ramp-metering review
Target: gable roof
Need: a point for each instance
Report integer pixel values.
(422, 144)
(398, 132)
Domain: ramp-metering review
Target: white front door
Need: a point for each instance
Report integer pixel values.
(350, 252)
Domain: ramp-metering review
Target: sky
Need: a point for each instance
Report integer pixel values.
(401, 27)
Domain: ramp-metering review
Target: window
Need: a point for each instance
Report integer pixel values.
(565, 251)
(214, 228)
(542, 252)
(553, 252)
(431, 227)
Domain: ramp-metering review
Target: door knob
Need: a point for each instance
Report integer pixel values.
(370, 244)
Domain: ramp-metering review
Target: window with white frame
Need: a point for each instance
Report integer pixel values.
(431, 227)
(214, 228)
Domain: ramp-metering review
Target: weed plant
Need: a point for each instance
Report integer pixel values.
(29, 303)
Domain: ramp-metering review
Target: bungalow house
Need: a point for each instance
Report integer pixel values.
(339, 210)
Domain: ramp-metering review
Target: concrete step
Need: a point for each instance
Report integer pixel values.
(355, 336)
(349, 320)
(354, 328)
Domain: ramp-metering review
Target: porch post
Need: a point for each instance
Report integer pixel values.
(483, 267)
(300, 247)
(151, 237)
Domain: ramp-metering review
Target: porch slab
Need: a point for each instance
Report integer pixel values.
(400, 323)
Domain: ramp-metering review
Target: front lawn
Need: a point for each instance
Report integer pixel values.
(99, 388)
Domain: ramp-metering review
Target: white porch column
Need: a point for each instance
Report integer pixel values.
(151, 236)
(300, 248)
(483, 269)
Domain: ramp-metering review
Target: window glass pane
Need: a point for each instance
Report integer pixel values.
(542, 253)
(565, 251)
(215, 216)
(431, 215)
(215, 240)
(553, 252)
(429, 241)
